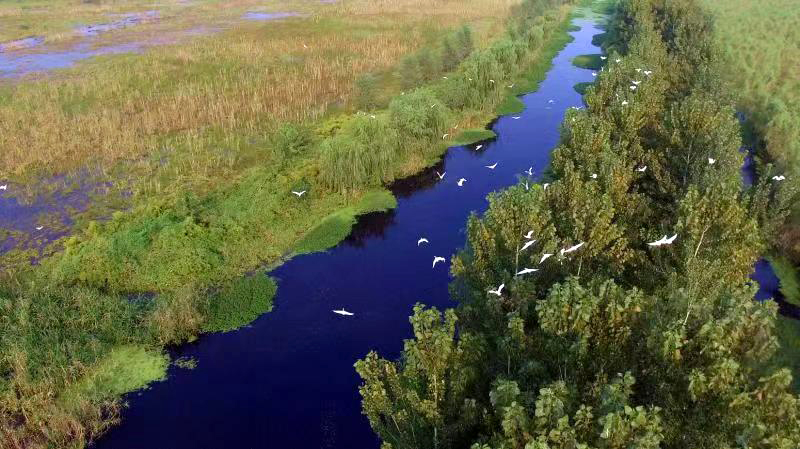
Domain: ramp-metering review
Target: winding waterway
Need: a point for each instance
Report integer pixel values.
(287, 380)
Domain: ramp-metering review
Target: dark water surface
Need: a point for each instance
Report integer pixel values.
(288, 379)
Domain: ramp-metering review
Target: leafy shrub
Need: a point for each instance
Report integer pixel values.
(293, 139)
(418, 114)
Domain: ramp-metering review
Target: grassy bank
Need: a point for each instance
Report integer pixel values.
(761, 43)
(216, 202)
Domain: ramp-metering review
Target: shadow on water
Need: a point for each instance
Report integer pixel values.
(287, 380)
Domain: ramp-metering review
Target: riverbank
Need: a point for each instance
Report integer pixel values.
(188, 249)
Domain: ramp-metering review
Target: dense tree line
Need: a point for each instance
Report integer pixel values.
(619, 344)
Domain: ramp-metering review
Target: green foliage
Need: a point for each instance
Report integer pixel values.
(293, 139)
(469, 136)
(789, 279)
(239, 303)
(366, 86)
(620, 344)
(582, 88)
(419, 114)
(510, 105)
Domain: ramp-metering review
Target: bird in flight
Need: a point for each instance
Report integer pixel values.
(663, 240)
(603, 57)
(491, 167)
(516, 117)
(544, 187)
(545, 256)
(551, 101)
(594, 176)
(478, 147)
(594, 73)
(526, 271)
(440, 175)
(510, 86)
(636, 83)
(4, 187)
(633, 87)
(618, 60)
(343, 312)
(527, 187)
(436, 260)
(571, 248)
(529, 235)
(529, 171)
(624, 103)
(779, 178)
(642, 169)
(638, 70)
(39, 228)
(491, 81)
(711, 161)
(300, 193)
(445, 136)
(648, 72)
(461, 182)
(498, 291)
(444, 77)
(527, 245)
(421, 241)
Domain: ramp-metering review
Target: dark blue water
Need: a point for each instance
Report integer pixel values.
(288, 379)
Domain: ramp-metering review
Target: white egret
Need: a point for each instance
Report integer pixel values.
(510, 86)
(421, 241)
(618, 60)
(440, 175)
(624, 103)
(39, 228)
(545, 256)
(642, 169)
(498, 291)
(529, 171)
(779, 178)
(594, 176)
(478, 147)
(527, 187)
(711, 161)
(491, 167)
(444, 77)
(491, 81)
(371, 116)
(529, 235)
(461, 182)
(551, 101)
(526, 271)
(4, 187)
(436, 260)
(572, 248)
(603, 57)
(594, 73)
(670, 240)
(638, 70)
(648, 72)
(516, 117)
(300, 193)
(636, 83)
(659, 242)
(544, 187)
(527, 245)
(633, 87)
(343, 312)
(445, 136)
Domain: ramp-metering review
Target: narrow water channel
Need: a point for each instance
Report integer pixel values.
(288, 379)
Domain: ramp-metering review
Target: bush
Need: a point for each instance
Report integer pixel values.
(292, 139)
(365, 91)
(239, 303)
(418, 114)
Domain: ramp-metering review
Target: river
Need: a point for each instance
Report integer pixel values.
(287, 380)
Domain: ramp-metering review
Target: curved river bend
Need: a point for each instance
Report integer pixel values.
(287, 380)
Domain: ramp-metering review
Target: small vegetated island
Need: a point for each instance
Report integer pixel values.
(229, 146)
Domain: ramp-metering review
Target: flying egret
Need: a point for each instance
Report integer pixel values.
(594, 176)
(510, 86)
(594, 73)
(461, 182)
(491, 81)
(39, 228)
(545, 185)
(603, 57)
(779, 178)
(527, 245)
(300, 193)
(491, 167)
(638, 70)
(436, 260)
(440, 175)
(618, 60)
(445, 136)
(551, 101)
(527, 187)
(4, 187)
(642, 169)
(498, 291)
(545, 256)
(633, 87)
(526, 271)
(371, 116)
(529, 171)
(624, 103)
(343, 312)
(670, 240)
(711, 161)
(421, 241)
(659, 242)
(572, 248)
(529, 235)
(444, 77)
(516, 117)
(648, 72)
(478, 147)
(305, 46)
(636, 83)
